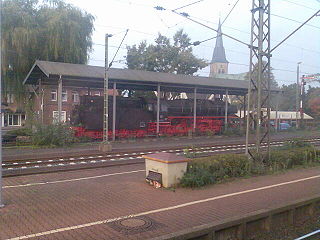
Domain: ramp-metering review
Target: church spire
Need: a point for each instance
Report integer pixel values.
(219, 55)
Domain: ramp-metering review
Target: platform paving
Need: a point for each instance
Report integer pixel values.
(79, 204)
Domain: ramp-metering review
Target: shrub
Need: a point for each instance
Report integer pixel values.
(196, 178)
(53, 135)
(296, 143)
(20, 132)
(12, 135)
(216, 168)
(233, 131)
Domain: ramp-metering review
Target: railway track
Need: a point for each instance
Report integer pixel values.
(44, 165)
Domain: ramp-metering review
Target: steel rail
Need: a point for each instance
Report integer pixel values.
(76, 164)
(91, 157)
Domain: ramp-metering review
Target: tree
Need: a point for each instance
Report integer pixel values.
(312, 102)
(47, 30)
(273, 85)
(287, 100)
(163, 56)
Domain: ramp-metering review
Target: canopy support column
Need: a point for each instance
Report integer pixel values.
(244, 109)
(114, 112)
(59, 99)
(276, 124)
(226, 111)
(195, 110)
(158, 109)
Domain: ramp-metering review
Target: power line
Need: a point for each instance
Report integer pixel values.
(230, 12)
(186, 15)
(112, 46)
(110, 64)
(290, 19)
(294, 31)
(188, 5)
(130, 3)
(236, 29)
(299, 4)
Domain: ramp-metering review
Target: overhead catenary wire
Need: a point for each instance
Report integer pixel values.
(183, 14)
(230, 12)
(236, 29)
(292, 20)
(110, 64)
(188, 5)
(295, 31)
(299, 4)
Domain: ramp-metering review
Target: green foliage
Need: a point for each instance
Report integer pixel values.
(313, 102)
(216, 168)
(164, 56)
(231, 131)
(48, 30)
(287, 101)
(265, 77)
(285, 159)
(196, 178)
(296, 143)
(20, 132)
(53, 135)
(11, 136)
(189, 153)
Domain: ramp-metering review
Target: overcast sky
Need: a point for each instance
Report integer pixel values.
(144, 23)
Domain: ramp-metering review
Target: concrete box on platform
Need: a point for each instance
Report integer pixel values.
(105, 147)
(171, 166)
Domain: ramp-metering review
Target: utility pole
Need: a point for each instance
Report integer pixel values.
(297, 96)
(1, 113)
(302, 99)
(105, 146)
(259, 75)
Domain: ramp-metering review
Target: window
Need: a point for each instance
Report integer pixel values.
(150, 107)
(142, 124)
(96, 94)
(10, 98)
(64, 96)
(55, 116)
(13, 120)
(75, 97)
(53, 95)
(163, 108)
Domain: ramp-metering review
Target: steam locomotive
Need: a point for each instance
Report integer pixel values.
(136, 117)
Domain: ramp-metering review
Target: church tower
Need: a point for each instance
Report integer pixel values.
(219, 63)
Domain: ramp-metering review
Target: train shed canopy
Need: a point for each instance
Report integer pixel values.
(81, 75)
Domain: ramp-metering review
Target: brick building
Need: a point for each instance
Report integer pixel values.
(13, 113)
(46, 102)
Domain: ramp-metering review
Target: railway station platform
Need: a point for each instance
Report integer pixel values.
(16, 153)
(117, 203)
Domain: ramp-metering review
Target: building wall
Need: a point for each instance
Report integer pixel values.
(216, 68)
(13, 114)
(50, 104)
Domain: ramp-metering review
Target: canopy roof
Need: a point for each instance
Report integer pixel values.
(80, 75)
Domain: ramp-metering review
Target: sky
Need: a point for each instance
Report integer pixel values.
(144, 23)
